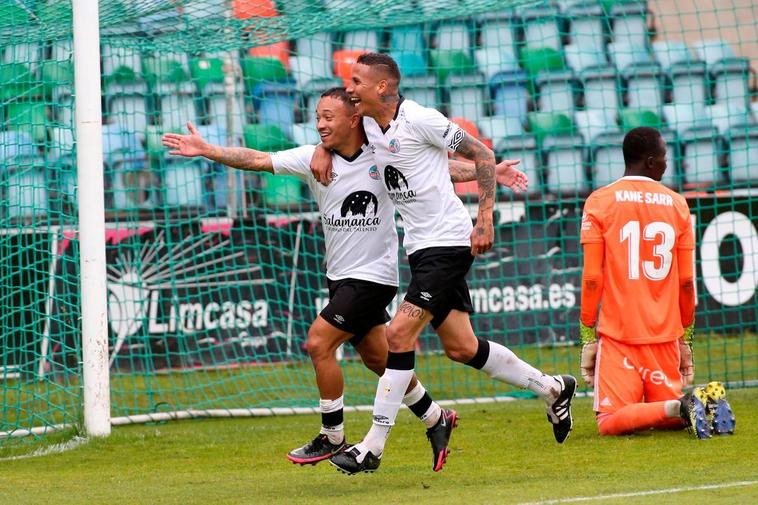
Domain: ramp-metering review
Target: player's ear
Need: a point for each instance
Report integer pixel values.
(355, 120)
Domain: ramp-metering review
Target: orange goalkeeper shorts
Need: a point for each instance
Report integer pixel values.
(626, 374)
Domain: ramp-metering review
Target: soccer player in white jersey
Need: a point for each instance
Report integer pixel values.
(411, 145)
(361, 258)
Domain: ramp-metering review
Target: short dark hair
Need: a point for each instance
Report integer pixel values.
(338, 92)
(641, 143)
(384, 61)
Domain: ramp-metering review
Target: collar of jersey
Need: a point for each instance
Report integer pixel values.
(397, 111)
(636, 178)
(352, 158)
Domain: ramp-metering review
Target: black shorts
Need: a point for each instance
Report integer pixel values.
(438, 281)
(356, 306)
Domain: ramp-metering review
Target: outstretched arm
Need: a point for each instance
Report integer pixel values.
(484, 159)
(506, 174)
(236, 157)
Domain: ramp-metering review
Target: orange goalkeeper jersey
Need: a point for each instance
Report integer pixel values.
(642, 225)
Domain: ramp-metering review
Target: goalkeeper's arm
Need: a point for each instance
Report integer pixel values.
(687, 314)
(592, 289)
(236, 157)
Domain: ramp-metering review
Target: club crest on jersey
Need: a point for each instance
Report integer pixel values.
(394, 146)
(373, 172)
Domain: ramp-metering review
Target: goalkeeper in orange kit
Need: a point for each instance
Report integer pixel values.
(639, 248)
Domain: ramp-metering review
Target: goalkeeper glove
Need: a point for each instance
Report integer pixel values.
(586, 333)
(686, 362)
(689, 333)
(587, 363)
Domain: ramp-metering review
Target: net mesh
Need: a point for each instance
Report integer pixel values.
(215, 275)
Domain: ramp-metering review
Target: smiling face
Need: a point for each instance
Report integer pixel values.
(365, 89)
(336, 122)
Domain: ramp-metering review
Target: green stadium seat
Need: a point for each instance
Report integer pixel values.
(281, 190)
(204, 71)
(255, 70)
(58, 81)
(633, 118)
(541, 59)
(163, 70)
(28, 117)
(266, 138)
(122, 69)
(451, 62)
(12, 15)
(543, 124)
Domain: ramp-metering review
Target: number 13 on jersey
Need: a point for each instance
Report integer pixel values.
(663, 236)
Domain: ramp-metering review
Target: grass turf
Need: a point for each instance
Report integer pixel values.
(501, 453)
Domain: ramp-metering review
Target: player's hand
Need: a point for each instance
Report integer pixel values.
(587, 363)
(321, 165)
(185, 145)
(508, 175)
(483, 236)
(686, 363)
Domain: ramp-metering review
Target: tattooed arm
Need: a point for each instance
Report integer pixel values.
(236, 157)
(506, 174)
(484, 160)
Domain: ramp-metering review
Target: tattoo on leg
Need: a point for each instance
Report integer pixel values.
(412, 311)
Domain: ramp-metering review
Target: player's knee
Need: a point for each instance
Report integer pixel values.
(318, 346)
(398, 339)
(605, 425)
(460, 352)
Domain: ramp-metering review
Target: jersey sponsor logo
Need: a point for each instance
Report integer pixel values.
(455, 142)
(373, 172)
(394, 146)
(395, 180)
(657, 377)
(359, 212)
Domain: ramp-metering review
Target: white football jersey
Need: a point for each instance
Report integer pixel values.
(412, 159)
(356, 214)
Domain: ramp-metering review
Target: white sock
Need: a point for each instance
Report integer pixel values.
(432, 411)
(672, 408)
(336, 433)
(505, 366)
(389, 396)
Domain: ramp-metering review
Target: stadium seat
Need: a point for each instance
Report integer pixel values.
(580, 58)
(543, 124)
(644, 86)
(274, 104)
(407, 39)
(255, 70)
(730, 79)
(701, 156)
(743, 151)
(524, 148)
(167, 78)
(541, 28)
(452, 36)
(306, 69)
(305, 134)
(496, 31)
(16, 148)
(688, 83)
(538, 60)
(121, 148)
(281, 191)
(410, 64)
(712, 51)
(629, 20)
(467, 96)
(183, 183)
(632, 118)
(555, 91)
(29, 197)
(26, 53)
(205, 71)
(492, 60)
(623, 54)
(57, 79)
(317, 46)
(61, 149)
(586, 30)
(344, 59)
(266, 138)
(601, 89)
(278, 50)
(564, 164)
(727, 116)
(510, 94)
(16, 80)
(591, 123)
(683, 116)
(606, 158)
(451, 62)
(421, 89)
(29, 118)
(122, 70)
(245, 9)
(364, 40)
(14, 15)
(500, 127)
(671, 52)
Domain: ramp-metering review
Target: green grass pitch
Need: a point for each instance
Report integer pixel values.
(501, 453)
